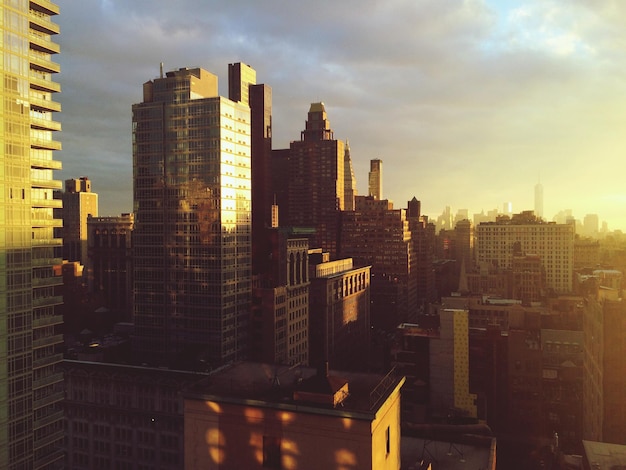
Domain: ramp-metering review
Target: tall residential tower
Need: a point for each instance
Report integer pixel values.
(192, 202)
(31, 383)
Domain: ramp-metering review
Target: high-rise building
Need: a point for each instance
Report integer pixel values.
(497, 242)
(376, 179)
(349, 184)
(316, 180)
(110, 267)
(31, 417)
(376, 234)
(78, 204)
(539, 200)
(192, 204)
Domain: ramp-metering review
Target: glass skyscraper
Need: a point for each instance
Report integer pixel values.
(31, 383)
(192, 238)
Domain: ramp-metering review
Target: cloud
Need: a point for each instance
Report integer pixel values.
(466, 102)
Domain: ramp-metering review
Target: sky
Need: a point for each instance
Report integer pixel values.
(469, 103)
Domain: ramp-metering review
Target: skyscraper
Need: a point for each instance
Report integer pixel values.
(316, 180)
(539, 200)
(78, 203)
(376, 179)
(31, 417)
(349, 181)
(192, 198)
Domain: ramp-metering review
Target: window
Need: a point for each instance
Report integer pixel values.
(271, 452)
(387, 441)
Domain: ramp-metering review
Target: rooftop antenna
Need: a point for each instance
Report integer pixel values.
(161, 69)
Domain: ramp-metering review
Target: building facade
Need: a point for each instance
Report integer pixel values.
(340, 315)
(498, 242)
(192, 204)
(78, 204)
(375, 179)
(378, 235)
(316, 180)
(110, 265)
(254, 415)
(31, 418)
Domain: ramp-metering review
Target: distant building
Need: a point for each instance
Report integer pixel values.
(110, 264)
(78, 204)
(539, 200)
(497, 242)
(375, 178)
(349, 185)
(376, 234)
(253, 415)
(316, 180)
(340, 314)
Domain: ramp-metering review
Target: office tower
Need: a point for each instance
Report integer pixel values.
(376, 179)
(192, 204)
(423, 235)
(591, 224)
(78, 204)
(31, 417)
(340, 314)
(496, 243)
(110, 264)
(242, 88)
(539, 200)
(376, 234)
(316, 180)
(349, 184)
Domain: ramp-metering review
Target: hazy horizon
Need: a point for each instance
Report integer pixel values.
(468, 103)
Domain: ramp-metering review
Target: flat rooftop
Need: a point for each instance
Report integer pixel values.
(273, 386)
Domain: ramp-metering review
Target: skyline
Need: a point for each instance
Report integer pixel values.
(468, 103)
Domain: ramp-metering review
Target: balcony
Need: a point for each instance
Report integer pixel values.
(45, 124)
(45, 144)
(51, 418)
(43, 84)
(41, 22)
(55, 397)
(48, 302)
(47, 282)
(45, 183)
(48, 340)
(49, 439)
(43, 44)
(48, 203)
(38, 262)
(44, 6)
(46, 165)
(48, 360)
(44, 105)
(49, 380)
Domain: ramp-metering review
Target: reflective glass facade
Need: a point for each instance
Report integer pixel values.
(31, 383)
(192, 238)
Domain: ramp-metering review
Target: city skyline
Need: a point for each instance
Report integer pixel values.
(466, 102)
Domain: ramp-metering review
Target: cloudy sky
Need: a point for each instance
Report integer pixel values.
(469, 103)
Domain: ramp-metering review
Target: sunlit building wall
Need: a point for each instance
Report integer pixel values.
(31, 383)
(253, 415)
(78, 204)
(192, 204)
(496, 243)
(349, 185)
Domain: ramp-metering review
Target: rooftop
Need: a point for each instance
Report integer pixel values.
(277, 386)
